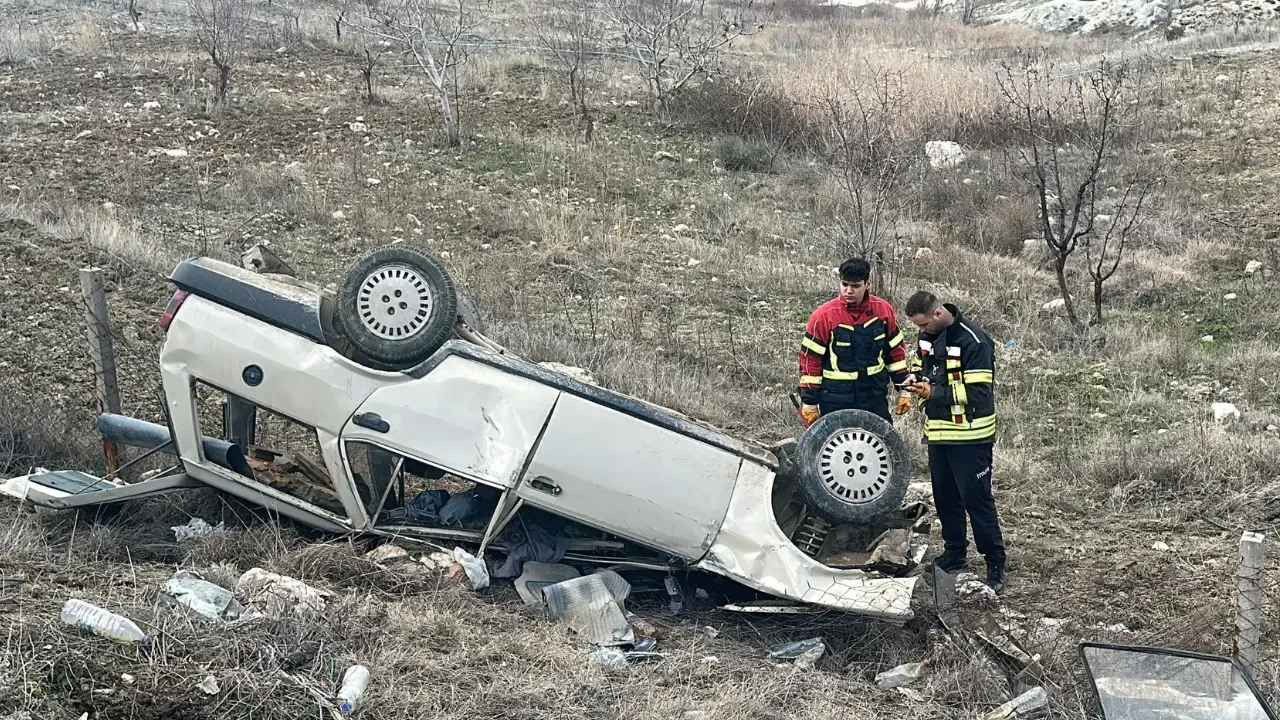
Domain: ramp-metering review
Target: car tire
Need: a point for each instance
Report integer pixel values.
(397, 306)
(852, 467)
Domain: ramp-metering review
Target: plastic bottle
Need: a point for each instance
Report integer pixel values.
(93, 619)
(354, 681)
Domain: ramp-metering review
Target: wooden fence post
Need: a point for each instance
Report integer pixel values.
(1253, 551)
(102, 351)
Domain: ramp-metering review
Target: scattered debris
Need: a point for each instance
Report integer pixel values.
(279, 595)
(261, 259)
(901, 675)
(354, 682)
(609, 657)
(1025, 705)
(969, 586)
(1225, 413)
(803, 653)
(387, 553)
(476, 571)
(911, 694)
(943, 153)
(90, 618)
(195, 528)
(591, 606)
(203, 598)
(209, 685)
(675, 593)
(537, 575)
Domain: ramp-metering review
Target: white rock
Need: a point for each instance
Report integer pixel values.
(1083, 17)
(358, 127)
(387, 553)
(127, 679)
(1054, 305)
(1273, 428)
(943, 153)
(372, 181)
(693, 262)
(98, 75)
(177, 153)
(339, 215)
(1229, 296)
(151, 105)
(209, 685)
(1206, 339)
(279, 595)
(1225, 413)
(1252, 267)
(924, 253)
(681, 228)
(1160, 546)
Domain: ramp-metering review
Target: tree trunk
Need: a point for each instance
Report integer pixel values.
(450, 126)
(1097, 300)
(368, 84)
(224, 80)
(1060, 269)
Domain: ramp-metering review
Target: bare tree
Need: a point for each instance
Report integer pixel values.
(572, 36)
(435, 37)
(221, 27)
(1105, 248)
(869, 160)
(973, 11)
(675, 41)
(1068, 132)
(367, 64)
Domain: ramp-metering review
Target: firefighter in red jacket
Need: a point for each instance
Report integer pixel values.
(851, 349)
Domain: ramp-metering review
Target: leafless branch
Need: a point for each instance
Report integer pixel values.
(221, 27)
(571, 35)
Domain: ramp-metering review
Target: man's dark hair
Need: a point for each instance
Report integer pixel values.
(922, 303)
(855, 270)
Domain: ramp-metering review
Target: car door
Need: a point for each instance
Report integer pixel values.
(614, 471)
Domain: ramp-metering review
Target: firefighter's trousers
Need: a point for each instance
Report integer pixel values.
(961, 476)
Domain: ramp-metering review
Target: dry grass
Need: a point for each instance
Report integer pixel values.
(111, 231)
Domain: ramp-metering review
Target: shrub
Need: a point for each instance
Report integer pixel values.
(738, 154)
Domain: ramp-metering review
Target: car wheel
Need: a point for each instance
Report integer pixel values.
(852, 467)
(397, 306)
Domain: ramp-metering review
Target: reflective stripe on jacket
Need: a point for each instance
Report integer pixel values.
(849, 350)
(959, 362)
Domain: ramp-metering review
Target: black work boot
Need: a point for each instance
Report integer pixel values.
(950, 561)
(995, 575)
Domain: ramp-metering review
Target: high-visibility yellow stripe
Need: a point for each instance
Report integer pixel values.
(896, 340)
(837, 375)
(948, 426)
(960, 435)
(813, 347)
(876, 370)
(961, 395)
(810, 379)
(900, 365)
(953, 364)
(870, 322)
(978, 376)
(880, 336)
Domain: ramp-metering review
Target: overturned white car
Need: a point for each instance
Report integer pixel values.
(396, 425)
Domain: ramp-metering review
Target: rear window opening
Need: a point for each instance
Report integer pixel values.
(282, 453)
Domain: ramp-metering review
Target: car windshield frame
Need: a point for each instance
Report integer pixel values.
(1237, 673)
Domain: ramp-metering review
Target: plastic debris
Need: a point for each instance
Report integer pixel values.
(910, 694)
(195, 528)
(901, 675)
(199, 596)
(354, 682)
(279, 595)
(103, 623)
(592, 607)
(1025, 705)
(673, 590)
(608, 657)
(536, 575)
(477, 573)
(209, 685)
(803, 653)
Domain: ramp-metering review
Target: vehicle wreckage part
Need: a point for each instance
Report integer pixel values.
(811, 534)
(397, 305)
(752, 550)
(124, 430)
(853, 467)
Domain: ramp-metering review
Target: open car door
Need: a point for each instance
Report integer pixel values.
(1145, 683)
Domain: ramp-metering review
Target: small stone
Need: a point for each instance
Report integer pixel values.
(1225, 413)
(693, 262)
(1206, 339)
(485, 246)
(1160, 546)
(681, 228)
(1229, 296)
(943, 153)
(372, 181)
(209, 685)
(339, 215)
(1252, 267)
(1054, 305)
(127, 679)
(664, 155)
(925, 253)
(387, 553)
(151, 105)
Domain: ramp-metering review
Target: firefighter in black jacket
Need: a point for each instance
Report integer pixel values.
(954, 366)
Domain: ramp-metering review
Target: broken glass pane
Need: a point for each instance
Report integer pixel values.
(1145, 684)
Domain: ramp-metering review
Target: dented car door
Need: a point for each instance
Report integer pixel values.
(608, 469)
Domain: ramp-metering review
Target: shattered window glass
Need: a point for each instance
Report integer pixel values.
(1135, 684)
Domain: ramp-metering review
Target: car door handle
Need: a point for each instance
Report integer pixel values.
(373, 421)
(545, 484)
